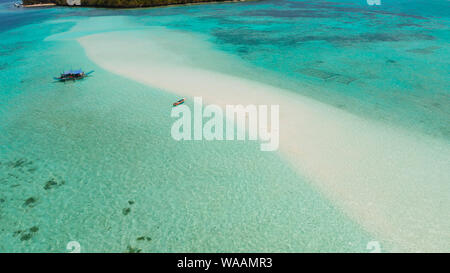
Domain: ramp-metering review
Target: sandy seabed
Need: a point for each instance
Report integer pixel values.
(393, 182)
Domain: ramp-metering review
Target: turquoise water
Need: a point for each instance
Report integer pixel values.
(94, 162)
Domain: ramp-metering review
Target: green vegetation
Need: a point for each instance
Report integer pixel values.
(121, 3)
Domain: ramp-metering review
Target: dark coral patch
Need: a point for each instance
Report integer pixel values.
(126, 211)
(144, 238)
(52, 183)
(26, 237)
(131, 249)
(34, 229)
(18, 163)
(30, 202)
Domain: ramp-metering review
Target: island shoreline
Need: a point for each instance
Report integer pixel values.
(39, 5)
(42, 5)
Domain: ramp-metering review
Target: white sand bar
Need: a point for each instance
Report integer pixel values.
(394, 183)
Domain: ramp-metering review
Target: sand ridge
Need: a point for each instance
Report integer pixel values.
(394, 183)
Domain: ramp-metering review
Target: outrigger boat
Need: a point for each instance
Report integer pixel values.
(73, 75)
(18, 4)
(178, 102)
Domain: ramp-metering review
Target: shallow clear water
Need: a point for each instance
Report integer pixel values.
(94, 162)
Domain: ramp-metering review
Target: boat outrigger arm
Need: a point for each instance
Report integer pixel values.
(73, 75)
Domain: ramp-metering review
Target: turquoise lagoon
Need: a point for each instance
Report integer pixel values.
(94, 162)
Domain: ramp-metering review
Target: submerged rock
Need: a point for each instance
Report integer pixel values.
(26, 237)
(26, 234)
(34, 229)
(144, 238)
(20, 163)
(126, 211)
(52, 183)
(30, 202)
(131, 249)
